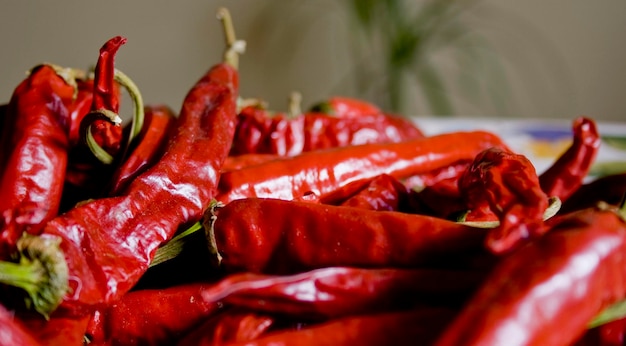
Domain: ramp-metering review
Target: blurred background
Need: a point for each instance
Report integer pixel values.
(470, 58)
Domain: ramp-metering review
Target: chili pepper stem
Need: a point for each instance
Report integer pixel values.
(41, 271)
(295, 104)
(234, 47)
(91, 142)
(209, 223)
(175, 246)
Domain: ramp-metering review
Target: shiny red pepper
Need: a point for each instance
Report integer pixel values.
(234, 163)
(346, 107)
(150, 144)
(505, 185)
(323, 172)
(418, 327)
(547, 291)
(568, 172)
(275, 236)
(383, 192)
(13, 332)
(32, 181)
(107, 244)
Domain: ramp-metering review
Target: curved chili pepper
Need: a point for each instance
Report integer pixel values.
(345, 107)
(32, 181)
(152, 142)
(334, 292)
(558, 282)
(232, 325)
(323, 172)
(275, 236)
(108, 243)
(418, 327)
(152, 316)
(506, 185)
(568, 172)
(610, 189)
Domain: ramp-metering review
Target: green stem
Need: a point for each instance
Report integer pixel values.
(97, 151)
(41, 272)
(175, 246)
(612, 313)
(138, 107)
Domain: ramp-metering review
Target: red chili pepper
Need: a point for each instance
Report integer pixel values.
(506, 185)
(275, 236)
(232, 325)
(610, 189)
(346, 107)
(107, 244)
(234, 163)
(568, 172)
(32, 181)
(57, 330)
(152, 316)
(323, 172)
(82, 106)
(13, 332)
(334, 292)
(547, 291)
(384, 192)
(419, 327)
(151, 143)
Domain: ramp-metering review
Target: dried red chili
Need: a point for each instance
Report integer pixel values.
(275, 236)
(108, 243)
(323, 172)
(151, 143)
(610, 189)
(557, 282)
(32, 181)
(346, 107)
(568, 172)
(334, 292)
(13, 332)
(384, 192)
(505, 185)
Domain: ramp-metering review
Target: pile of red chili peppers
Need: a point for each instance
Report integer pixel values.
(226, 223)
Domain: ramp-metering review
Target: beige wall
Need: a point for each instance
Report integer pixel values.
(560, 58)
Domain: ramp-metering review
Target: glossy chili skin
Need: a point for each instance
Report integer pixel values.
(234, 163)
(58, 330)
(108, 243)
(384, 192)
(152, 316)
(334, 292)
(13, 332)
(152, 141)
(568, 172)
(546, 292)
(231, 325)
(323, 172)
(275, 236)
(504, 184)
(419, 327)
(32, 181)
(263, 132)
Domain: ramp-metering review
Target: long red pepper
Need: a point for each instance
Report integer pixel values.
(152, 316)
(506, 185)
(151, 143)
(568, 172)
(419, 327)
(546, 292)
(323, 172)
(334, 292)
(384, 192)
(108, 243)
(32, 181)
(275, 236)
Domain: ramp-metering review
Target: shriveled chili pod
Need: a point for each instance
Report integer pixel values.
(231, 325)
(419, 327)
(276, 236)
(323, 172)
(548, 290)
(31, 184)
(108, 243)
(333, 292)
(384, 192)
(569, 171)
(150, 144)
(152, 316)
(503, 184)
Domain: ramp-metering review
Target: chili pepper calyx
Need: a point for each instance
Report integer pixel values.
(69, 74)
(41, 271)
